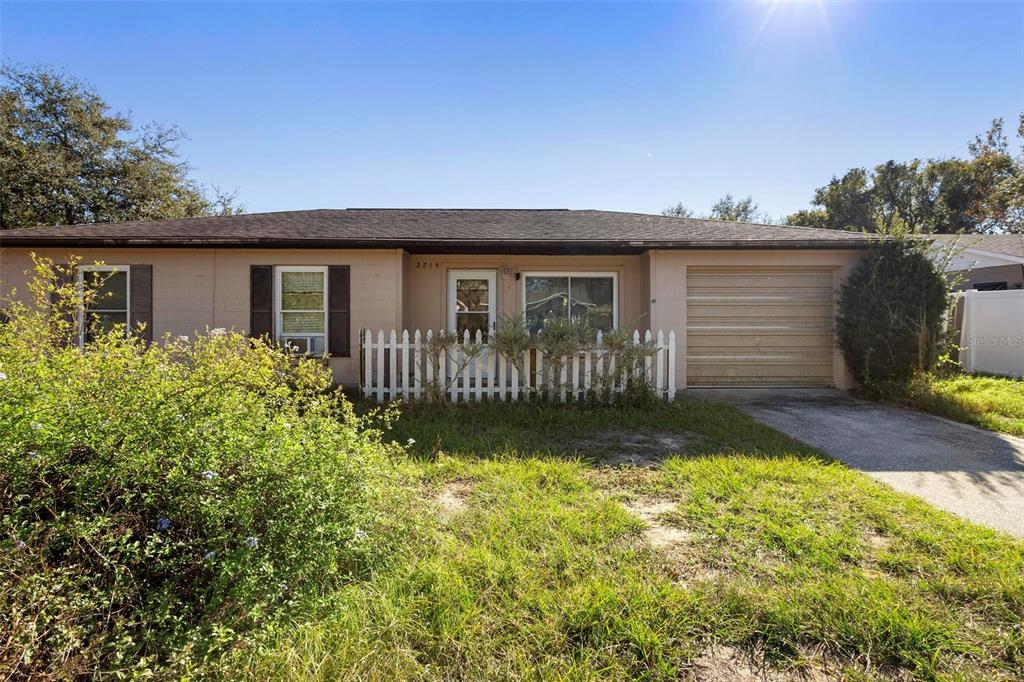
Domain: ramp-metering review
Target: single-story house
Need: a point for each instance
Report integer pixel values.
(985, 262)
(751, 305)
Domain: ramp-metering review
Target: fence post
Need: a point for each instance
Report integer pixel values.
(671, 364)
(367, 362)
(967, 332)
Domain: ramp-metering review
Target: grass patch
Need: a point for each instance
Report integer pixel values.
(788, 559)
(994, 403)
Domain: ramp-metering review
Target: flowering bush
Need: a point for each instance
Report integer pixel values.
(158, 501)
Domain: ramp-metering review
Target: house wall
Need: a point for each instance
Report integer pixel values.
(667, 272)
(195, 289)
(1013, 275)
(426, 282)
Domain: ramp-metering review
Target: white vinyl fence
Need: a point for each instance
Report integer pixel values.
(992, 332)
(439, 366)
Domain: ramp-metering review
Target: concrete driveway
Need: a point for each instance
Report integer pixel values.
(975, 473)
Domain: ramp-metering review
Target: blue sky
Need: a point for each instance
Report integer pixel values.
(614, 106)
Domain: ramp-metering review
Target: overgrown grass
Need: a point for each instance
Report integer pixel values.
(993, 403)
(541, 570)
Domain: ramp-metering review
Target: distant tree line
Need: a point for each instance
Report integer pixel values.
(66, 158)
(983, 193)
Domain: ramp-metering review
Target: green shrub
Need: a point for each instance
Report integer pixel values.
(892, 312)
(159, 501)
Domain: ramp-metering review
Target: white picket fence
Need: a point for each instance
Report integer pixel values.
(401, 367)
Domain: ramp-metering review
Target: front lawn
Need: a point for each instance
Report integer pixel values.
(993, 403)
(728, 549)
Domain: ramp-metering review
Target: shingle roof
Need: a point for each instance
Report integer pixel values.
(435, 230)
(1008, 244)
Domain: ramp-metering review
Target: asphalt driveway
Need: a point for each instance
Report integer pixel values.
(975, 473)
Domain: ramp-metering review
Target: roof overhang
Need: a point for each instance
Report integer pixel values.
(539, 247)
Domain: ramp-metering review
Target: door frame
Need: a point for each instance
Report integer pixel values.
(492, 294)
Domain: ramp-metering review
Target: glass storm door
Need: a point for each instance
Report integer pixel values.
(471, 307)
(471, 302)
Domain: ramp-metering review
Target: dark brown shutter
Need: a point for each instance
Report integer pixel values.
(140, 304)
(339, 321)
(261, 301)
(65, 276)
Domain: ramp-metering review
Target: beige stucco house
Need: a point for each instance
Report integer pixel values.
(751, 305)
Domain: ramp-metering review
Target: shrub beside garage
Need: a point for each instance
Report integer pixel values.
(892, 312)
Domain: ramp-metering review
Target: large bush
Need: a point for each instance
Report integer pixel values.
(158, 501)
(892, 312)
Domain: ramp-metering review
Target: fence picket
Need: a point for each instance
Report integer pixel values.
(539, 369)
(428, 358)
(659, 380)
(502, 367)
(671, 364)
(380, 366)
(479, 369)
(417, 366)
(393, 359)
(575, 377)
(367, 363)
(586, 372)
(515, 379)
(647, 360)
(464, 361)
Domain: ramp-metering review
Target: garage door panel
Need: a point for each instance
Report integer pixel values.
(796, 340)
(744, 311)
(739, 281)
(759, 327)
(761, 298)
(719, 379)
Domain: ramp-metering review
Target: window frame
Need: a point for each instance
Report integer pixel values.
(279, 334)
(614, 275)
(81, 313)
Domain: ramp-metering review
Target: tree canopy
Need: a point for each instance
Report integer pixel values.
(727, 208)
(66, 158)
(982, 193)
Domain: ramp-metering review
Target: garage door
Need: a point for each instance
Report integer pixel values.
(759, 327)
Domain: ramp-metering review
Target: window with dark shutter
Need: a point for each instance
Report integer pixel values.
(140, 312)
(261, 301)
(338, 317)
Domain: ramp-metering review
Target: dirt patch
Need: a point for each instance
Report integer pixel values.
(658, 534)
(877, 541)
(729, 664)
(451, 500)
(633, 448)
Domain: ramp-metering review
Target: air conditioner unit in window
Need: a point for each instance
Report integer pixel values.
(300, 344)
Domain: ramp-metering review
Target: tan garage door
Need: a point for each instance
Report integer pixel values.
(759, 326)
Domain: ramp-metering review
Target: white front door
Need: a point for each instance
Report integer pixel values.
(472, 301)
